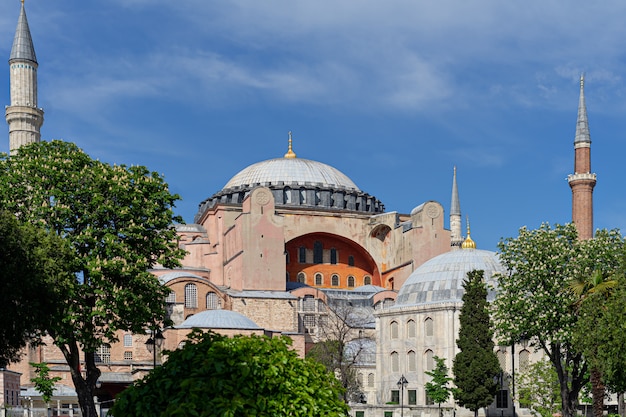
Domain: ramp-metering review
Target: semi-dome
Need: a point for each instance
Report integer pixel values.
(295, 182)
(440, 280)
(219, 319)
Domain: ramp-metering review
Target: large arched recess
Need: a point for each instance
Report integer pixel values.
(352, 260)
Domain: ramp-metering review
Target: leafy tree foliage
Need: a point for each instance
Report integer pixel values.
(476, 365)
(343, 345)
(538, 389)
(32, 279)
(118, 222)
(44, 383)
(437, 389)
(213, 375)
(535, 301)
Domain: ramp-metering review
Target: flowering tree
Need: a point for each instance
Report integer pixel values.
(535, 302)
(117, 220)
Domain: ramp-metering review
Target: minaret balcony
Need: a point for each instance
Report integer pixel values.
(578, 177)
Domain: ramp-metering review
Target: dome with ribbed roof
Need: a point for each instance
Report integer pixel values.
(440, 280)
(294, 172)
(295, 182)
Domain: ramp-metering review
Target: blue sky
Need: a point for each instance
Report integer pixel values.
(393, 94)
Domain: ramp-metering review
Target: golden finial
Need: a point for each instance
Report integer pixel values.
(290, 153)
(22, 2)
(468, 243)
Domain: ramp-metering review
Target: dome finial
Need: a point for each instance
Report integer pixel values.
(290, 153)
(468, 243)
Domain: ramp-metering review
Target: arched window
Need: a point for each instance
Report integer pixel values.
(410, 328)
(350, 260)
(333, 256)
(367, 280)
(171, 297)
(429, 363)
(501, 354)
(319, 279)
(359, 378)
(301, 277)
(370, 379)
(428, 326)
(394, 329)
(302, 255)
(308, 303)
(213, 302)
(334, 280)
(318, 252)
(191, 296)
(411, 360)
(524, 360)
(395, 362)
(287, 195)
(350, 281)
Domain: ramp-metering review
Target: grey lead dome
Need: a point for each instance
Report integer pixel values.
(440, 279)
(292, 171)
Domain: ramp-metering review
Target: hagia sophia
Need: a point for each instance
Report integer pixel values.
(286, 238)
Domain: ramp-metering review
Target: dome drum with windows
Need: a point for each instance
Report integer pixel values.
(296, 182)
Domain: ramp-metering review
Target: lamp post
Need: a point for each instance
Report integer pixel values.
(154, 343)
(401, 384)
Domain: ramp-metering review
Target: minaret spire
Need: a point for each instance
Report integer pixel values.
(582, 180)
(23, 116)
(456, 238)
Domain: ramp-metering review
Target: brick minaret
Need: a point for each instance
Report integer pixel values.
(23, 115)
(582, 180)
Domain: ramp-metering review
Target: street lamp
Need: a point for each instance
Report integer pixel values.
(154, 343)
(401, 384)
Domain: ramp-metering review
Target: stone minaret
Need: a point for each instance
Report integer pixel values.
(23, 115)
(456, 239)
(582, 180)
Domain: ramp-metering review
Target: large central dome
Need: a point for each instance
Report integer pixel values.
(293, 172)
(295, 182)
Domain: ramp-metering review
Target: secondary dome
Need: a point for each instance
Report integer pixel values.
(219, 319)
(440, 279)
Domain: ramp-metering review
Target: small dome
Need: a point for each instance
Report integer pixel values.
(291, 171)
(440, 279)
(219, 319)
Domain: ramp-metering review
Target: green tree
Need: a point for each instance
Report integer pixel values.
(437, 389)
(476, 365)
(538, 389)
(118, 222)
(44, 383)
(213, 375)
(533, 301)
(32, 279)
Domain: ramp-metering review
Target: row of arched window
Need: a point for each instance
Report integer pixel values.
(411, 328)
(365, 381)
(319, 255)
(411, 361)
(335, 280)
(213, 301)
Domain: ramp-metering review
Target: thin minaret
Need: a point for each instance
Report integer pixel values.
(23, 116)
(582, 180)
(456, 238)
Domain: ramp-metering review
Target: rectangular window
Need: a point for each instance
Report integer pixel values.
(302, 254)
(103, 354)
(429, 401)
(395, 396)
(412, 397)
(359, 414)
(502, 399)
(388, 413)
(128, 355)
(128, 340)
